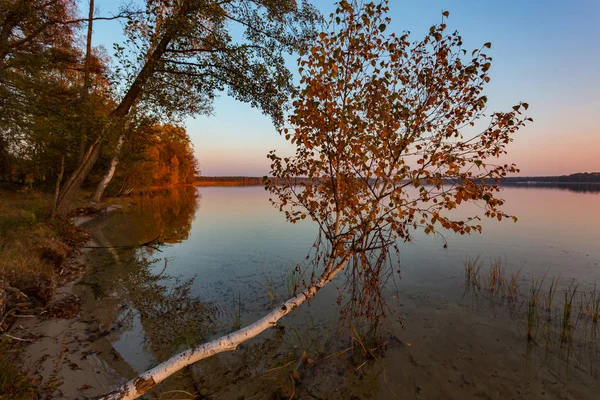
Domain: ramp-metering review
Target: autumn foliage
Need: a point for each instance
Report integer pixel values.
(395, 134)
(158, 156)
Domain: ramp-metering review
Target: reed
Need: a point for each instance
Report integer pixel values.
(533, 300)
(289, 279)
(591, 308)
(567, 328)
(497, 278)
(269, 287)
(472, 267)
(549, 297)
(513, 285)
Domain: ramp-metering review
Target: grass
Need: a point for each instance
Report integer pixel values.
(269, 287)
(497, 277)
(472, 267)
(290, 279)
(533, 300)
(567, 326)
(592, 305)
(14, 385)
(549, 297)
(513, 285)
(29, 250)
(33, 248)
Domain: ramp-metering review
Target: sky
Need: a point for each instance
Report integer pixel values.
(545, 53)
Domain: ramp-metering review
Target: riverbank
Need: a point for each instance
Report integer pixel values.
(41, 260)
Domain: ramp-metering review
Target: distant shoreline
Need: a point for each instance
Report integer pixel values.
(546, 183)
(573, 179)
(239, 180)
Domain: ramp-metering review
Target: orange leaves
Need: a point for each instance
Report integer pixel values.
(378, 127)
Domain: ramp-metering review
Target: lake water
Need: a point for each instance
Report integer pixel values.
(228, 257)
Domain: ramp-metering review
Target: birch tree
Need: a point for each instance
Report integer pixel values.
(390, 134)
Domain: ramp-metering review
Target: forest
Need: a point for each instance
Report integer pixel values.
(56, 93)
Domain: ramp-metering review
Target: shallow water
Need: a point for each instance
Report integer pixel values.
(228, 248)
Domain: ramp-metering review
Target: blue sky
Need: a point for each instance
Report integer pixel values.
(546, 52)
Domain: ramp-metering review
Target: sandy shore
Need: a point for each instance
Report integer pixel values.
(64, 353)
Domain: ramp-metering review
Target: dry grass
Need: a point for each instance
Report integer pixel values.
(33, 249)
(28, 248)
(14, 385)
(33, 254)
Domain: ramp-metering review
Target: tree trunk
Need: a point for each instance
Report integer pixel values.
(57, 189)
(111, 170)
(73, 184)
(71, 188)
(146, 381)
(86, 82)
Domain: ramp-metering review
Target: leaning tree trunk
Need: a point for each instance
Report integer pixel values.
(73, 184)
(70, 190)
(146, 381)
(111, 170)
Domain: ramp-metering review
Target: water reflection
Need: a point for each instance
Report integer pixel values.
(131, 287)
(165, 213)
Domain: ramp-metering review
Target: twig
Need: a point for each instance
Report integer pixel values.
(18, 339)
(28, 331)
(277, 368)
(361, 365)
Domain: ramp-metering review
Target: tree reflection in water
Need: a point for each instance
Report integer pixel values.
(132, 284)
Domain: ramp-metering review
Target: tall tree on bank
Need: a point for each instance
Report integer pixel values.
(181, 54)
(379, 126)
(38, 66)
(41, 75)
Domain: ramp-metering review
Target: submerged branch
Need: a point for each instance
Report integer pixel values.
(153, 244)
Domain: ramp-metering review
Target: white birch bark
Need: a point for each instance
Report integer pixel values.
(146, 381)
(111, 170)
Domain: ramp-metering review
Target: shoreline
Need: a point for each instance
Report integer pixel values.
(61, 345)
